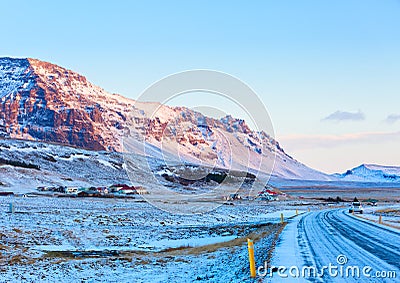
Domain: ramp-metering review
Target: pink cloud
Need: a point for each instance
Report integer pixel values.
(304, 142)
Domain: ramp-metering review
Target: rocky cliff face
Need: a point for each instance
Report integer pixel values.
(42, 101)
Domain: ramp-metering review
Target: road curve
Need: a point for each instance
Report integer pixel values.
(317, 239)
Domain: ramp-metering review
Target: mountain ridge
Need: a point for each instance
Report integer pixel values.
(45, 102)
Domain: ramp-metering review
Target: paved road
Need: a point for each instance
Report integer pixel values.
(318, 238)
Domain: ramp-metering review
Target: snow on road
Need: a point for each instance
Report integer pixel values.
(332, 237)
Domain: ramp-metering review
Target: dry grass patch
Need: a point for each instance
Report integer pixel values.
(175, 254)
(262, 232)
(390, 211)
(384, 222)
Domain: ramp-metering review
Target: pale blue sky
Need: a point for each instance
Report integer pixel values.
(306, 59)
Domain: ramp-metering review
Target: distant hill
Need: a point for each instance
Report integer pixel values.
(371, 173)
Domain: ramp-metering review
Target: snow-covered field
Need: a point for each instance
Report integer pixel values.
(51, 239)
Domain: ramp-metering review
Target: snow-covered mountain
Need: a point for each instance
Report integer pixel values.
(371, 173)
(44, 102)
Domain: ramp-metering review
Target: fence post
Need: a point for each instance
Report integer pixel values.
(250, 247)
(11, 208)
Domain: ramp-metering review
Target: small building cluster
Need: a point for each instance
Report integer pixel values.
(269, 194)
(114, 190)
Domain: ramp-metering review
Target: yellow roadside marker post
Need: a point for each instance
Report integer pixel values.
(250, 247)
(297, 212)
(308, 209)
(380, 219)
(282, 219)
